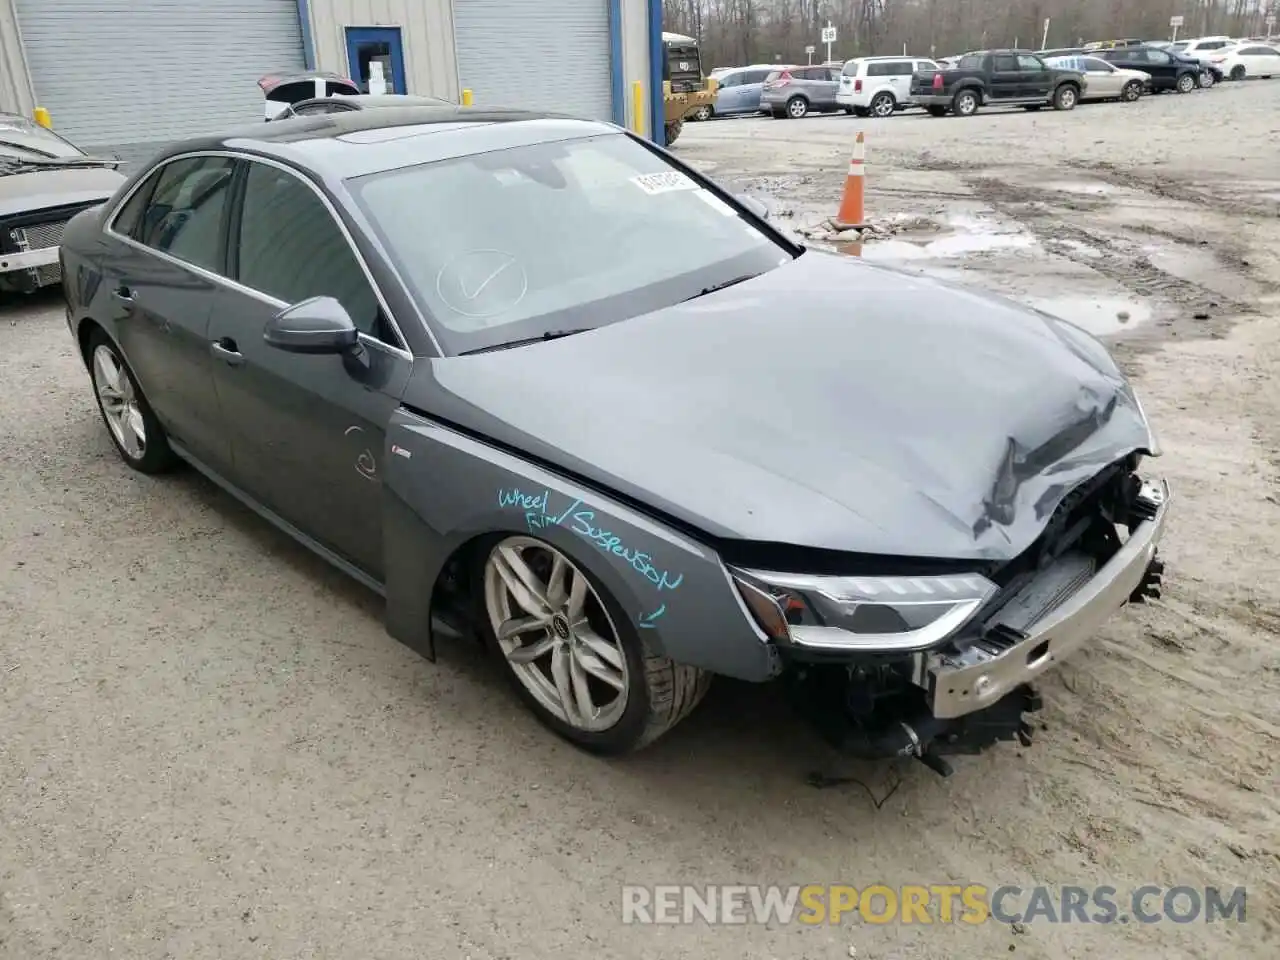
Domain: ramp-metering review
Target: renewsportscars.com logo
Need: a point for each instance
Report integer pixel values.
(971, 904)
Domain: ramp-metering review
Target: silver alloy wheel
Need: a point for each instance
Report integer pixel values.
(556, 634)
(966, 103)
(1186, 83)
(1067, 98)
(797, 107)
(703, 112)
(119, 402)
(882, 106)
(1207, 79)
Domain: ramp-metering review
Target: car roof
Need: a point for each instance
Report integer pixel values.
(368, 100)
(342, 145)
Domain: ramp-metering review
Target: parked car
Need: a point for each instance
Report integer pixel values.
(739, 90)
(1103, 81)
(266, 306)
(45, 180)
(878, 85)
(344, 103)
(996, 78)
(282, 90)
(1168, 70)
(1247, 60)
(1202, 48)
(1112, 44)
(794, 92)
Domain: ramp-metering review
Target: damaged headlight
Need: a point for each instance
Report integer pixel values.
(898, 614)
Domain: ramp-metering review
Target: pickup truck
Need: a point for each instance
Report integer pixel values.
(994, 78)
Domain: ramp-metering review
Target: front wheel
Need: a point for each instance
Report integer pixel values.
(1132, 91)
(704, 112)
(1065, 97)
(130, 421)
(1186, 83)
(797, 107)
(965, 103)
(573, 657)
(672, 131)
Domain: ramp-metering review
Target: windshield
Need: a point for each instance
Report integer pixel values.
(25, 140)
(516, 243)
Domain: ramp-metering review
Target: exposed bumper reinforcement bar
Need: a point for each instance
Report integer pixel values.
(28, 259)
(960, 684)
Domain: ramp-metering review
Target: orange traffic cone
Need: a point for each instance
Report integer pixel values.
(851, 211)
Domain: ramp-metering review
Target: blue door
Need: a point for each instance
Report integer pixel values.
(369, 45)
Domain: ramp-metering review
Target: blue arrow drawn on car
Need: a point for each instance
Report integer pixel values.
(649, 620)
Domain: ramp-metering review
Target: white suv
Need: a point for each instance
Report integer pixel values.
(1205, 47)
(877, 86)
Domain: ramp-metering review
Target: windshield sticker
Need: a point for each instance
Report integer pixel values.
(715, 203)
(655, 183)
(539, 514)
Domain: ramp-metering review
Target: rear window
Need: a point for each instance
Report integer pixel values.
(773, 75)
(973, 61)
(851, 68)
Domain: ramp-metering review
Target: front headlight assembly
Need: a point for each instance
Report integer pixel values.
(861, 614)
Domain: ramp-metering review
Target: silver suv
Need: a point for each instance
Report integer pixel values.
(795, 91)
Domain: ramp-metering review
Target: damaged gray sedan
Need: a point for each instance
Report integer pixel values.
(535, 381)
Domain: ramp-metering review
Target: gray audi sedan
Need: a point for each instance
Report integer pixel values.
(537, 382)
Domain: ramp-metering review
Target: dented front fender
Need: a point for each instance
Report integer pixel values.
(445, 488)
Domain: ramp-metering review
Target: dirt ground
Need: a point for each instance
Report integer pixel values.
(209, 748)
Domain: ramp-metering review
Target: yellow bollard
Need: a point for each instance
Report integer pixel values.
(41, 116)
(467, 98)
(637, 107)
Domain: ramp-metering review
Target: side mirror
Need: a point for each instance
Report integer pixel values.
(315, 325)
(754, 204)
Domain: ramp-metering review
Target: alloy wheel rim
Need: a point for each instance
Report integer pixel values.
(119, 402)
(556, 634)
(1068, 98)
(967, 104)
(884, 107)
(797, 108)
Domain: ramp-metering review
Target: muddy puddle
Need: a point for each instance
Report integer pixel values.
(1099, 315)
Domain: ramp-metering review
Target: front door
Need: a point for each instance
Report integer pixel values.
(1036, 78)
(374, 50)
(307, 432)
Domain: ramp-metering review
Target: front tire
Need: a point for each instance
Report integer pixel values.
(704, 112)
(797, 108)
(1132, 91)
(1185, 83)
(573, 656)
(131, 423)
(1065, 97)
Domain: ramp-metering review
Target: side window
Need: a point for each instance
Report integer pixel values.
(1005, 64)
(1158, 56)
(926, 65)
(756, 76)
(901, 68)
(289, 247)
(875, 69)
(730, 80)
(1030, 64)
(184, 214)
(129, 219)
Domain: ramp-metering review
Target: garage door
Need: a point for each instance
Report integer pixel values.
(547, 55)
(114, 72)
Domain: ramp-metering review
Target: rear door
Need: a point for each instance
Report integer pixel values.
(1101, 79)
(753, 89)
(818, 85)
(163, 276)
(1006, 77)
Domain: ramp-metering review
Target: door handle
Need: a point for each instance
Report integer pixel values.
(225, 348)
(123, 294)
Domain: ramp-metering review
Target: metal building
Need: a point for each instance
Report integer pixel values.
(126, 75)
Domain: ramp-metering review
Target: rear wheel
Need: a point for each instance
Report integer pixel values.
(1132, 91)
(883, 104)
(1207, 79)
(1186, 83)
(704, 112)
(965, 103)
(1065, 97)
(1238, 72)
(797, 107)
(572, 655)
(130, 421)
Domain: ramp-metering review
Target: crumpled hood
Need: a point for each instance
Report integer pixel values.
(36, 190)
(828, 403)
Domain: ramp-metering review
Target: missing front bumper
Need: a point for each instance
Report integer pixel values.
(960, 683)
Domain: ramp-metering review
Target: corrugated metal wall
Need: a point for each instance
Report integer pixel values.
(15, 85)
(426, 28)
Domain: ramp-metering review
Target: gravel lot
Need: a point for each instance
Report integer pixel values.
(210, 749)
